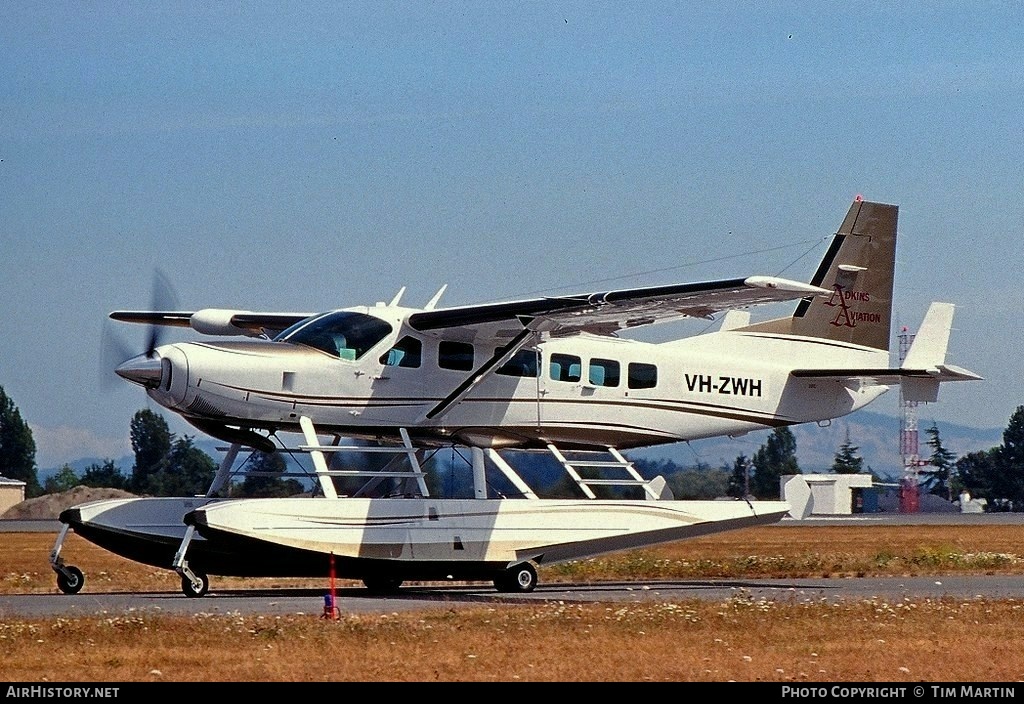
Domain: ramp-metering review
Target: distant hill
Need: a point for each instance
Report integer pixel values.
(49, 506)
(876, 436)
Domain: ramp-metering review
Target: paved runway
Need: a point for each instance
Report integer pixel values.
(356, 600)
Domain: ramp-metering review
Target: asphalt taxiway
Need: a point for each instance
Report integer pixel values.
(358, 600)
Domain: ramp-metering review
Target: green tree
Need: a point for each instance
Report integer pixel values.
(17, 447)
(186, 471)
(976, 473)
(846, 460)
(166, 465)
(105, 475)
(151, 442)
(1009, 479)
(941, 478)
(739, 478)
(63, 480)
(698, 483)
(773, 460)
(258, 485)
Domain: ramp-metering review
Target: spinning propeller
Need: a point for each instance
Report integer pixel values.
(117, 354)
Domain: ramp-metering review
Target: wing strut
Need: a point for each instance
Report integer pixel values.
(326, 483)
(525, 337)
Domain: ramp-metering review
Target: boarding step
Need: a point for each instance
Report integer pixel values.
(618, 462)
(317, 450)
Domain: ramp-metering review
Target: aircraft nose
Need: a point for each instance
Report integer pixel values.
(142, 370)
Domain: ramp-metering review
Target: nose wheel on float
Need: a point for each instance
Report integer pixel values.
(70, 579)
(193, 584)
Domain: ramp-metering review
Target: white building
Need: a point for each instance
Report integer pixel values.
(824, 494)
(12, 493)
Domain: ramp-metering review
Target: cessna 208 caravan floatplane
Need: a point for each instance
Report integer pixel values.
(548, 374)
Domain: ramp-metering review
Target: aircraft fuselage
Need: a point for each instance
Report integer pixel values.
(577, 391)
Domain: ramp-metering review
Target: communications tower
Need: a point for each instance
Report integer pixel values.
(910, 487)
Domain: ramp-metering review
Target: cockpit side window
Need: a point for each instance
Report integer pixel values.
(565, 367)
(455, 355)
(522, 363)
(642, 376)
(343, 334)
(407, 352)
(604, 372)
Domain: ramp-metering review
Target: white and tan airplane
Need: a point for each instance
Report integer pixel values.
(551, 374)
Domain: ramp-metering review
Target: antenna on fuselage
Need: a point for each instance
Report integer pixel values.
(398, 297)
(437, 297)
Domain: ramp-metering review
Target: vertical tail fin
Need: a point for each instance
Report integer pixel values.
(858, 267)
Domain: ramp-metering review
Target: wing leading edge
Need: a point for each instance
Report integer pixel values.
(601, 312)
(215, 321)
(605, 312)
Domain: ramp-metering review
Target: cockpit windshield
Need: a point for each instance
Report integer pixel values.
(344, 334)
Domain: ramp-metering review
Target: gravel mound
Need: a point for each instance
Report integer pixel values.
(49, 506)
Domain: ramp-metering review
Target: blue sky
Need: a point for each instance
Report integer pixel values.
(302, 156)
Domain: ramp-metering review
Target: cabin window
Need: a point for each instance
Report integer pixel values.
(604, 372)
(344, 334)
(642, 376)
(522, 363)
(455, 355)
(566, 367)
(407, 352)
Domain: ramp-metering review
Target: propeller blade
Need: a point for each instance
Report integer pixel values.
(164, 299)
(113, 351)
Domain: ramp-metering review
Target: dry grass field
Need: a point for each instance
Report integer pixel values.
(922, 640)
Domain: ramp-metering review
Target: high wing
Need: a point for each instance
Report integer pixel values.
(601, 312)
(606, 312)
(215, 321)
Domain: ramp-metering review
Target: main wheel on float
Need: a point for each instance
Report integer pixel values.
(521, 578)
(70, 579)
(382, 585)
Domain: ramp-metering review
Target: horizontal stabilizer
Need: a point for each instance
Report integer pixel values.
(890, 375)
(923, 369)
(919, 385)
(924, 388)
